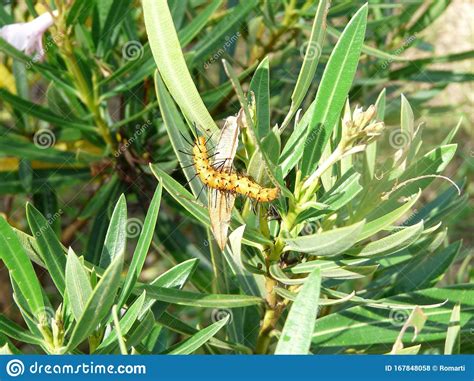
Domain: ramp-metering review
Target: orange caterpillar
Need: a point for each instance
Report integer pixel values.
(228, 181)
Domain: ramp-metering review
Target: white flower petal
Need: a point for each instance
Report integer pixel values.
(27, 37)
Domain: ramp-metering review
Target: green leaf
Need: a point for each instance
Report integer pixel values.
(433, 162)
(10, 182)
(259, 85)
(79, 10)
(143, 246)
(116, 238)
(50, 249)
(100, 198)
(187, 34)
(256, 165)
(414, 350)
(385, 215)
(428, 15)
(445, 200)
(178, 134)
(43, 113)
(115, 17)
(20, 268)
(296, 335)
(327, 243)
(175, 277)
(223, 35)
(100, 225)
(99, 304)
(186, 298)
(452, 133)
(198, 339)
(181, 195)
(424, 269)
(419, 65)
(344, 190)
(453, 337)
(233, 256)
(78, 285)
(13, 145)
(391, 243)
(177, 325)
(30, 246)
(371, 51)
(126, 323)
(314, 48)
(14, 331)
(340, 269)
(295, 146)
(170, 61)
(335, 85)
(360, 327)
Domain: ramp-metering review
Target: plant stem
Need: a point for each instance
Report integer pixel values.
(272, 313)
(86, 94)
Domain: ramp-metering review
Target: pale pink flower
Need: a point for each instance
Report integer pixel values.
(28, 36)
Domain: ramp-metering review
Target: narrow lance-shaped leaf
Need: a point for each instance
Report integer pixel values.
(385, 215)
(116, 237)
(43, 113)
(362, 326)
(405, 135)
(20, 147)
(391, 243)
(170, 61)
(296, 335)
(186, 298)
(78, 285)
(98, 305)
(223, 36)
(179, 135)
(181, 195)
(177, 325)
(259, 86)
(14, 331)
(175, 277)
(233, 255)
(20, 268)
(198, 339)
(126, 323)
(423, 270)
(143, 246)
(313, 51)
(452, 345)
(335, 85)
(327, 243)
(51, 250)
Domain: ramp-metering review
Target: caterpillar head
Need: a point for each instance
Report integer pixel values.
(269, 194)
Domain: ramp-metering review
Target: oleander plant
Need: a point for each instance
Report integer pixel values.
(231, 177)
